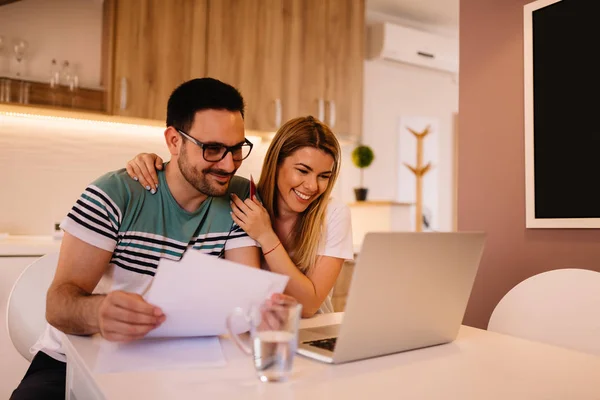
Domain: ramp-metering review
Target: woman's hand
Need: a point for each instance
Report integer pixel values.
(143, 168)
(254, 219)
(275, 311)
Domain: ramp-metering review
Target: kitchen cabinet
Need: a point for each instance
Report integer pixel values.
(323, 63)
(344, 62)
(155, 46)
(41, 94)
(304, 59)
(39, 63)
(288, 58)
(291, 58)
(13, 366)
(16, 253)
(244, 49)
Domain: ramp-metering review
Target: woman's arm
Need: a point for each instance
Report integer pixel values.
(310, 290)
(143, 168)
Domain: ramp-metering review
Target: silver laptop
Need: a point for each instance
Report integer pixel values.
(409, 290)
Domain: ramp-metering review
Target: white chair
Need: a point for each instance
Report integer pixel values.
(560, 307)
(26, 309)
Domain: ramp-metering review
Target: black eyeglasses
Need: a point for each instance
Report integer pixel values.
(215, 152)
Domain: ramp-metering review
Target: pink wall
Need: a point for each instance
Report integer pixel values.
(491, 179)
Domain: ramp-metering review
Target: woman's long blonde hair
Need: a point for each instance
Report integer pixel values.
(293, 135)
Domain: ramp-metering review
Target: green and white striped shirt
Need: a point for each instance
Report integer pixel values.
(117, 214)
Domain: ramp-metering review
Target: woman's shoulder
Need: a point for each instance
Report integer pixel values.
(334, 204)
(337, 238)
(336, 208)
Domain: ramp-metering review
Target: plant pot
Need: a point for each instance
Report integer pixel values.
(361, 194)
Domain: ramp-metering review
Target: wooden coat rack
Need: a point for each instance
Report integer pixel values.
(419, 170)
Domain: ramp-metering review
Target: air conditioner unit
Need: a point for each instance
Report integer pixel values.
(407, 45)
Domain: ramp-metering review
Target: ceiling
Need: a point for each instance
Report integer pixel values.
(442, 13)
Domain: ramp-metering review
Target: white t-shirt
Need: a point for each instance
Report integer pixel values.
(336, 240)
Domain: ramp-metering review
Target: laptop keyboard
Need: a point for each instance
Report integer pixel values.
(327, 344)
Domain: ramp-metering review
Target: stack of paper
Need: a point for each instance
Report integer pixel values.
(160, 354)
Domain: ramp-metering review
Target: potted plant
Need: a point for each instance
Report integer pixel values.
(362, 157)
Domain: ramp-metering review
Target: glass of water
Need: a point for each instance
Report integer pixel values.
(273, 336)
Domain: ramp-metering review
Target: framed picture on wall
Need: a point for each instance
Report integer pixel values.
(562, 129)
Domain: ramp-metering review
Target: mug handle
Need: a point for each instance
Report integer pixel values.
(238, 312)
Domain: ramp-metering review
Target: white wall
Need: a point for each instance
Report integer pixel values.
(393, 90)
(46, 165)
(60, 29)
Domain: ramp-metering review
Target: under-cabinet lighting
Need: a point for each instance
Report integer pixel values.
(85, 123)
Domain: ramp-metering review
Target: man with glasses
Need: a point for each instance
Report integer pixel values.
(117, 232)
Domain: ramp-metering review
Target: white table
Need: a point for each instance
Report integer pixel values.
(478, 365)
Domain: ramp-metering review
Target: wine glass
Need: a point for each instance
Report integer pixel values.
(73, 87)
(20, 48)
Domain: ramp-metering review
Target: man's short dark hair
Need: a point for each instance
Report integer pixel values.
(201, 94)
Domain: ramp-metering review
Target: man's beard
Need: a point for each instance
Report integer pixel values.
(198, 178)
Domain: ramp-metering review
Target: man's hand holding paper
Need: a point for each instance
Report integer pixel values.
(197, 293)
(124, 317)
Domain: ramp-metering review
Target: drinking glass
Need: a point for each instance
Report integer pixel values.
(73, 87)
(20, 48)
(54, 82)
(273, 337)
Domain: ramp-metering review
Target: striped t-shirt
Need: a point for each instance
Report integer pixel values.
(117, 214)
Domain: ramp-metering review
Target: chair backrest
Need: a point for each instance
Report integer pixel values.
(559, 307)
(26, 309)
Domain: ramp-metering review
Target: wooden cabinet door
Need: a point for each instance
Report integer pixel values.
(244, 49)
(158, 44)
(323, 63)
(304, 59)
(344, 67)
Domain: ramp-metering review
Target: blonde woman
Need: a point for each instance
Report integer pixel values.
(303, 232)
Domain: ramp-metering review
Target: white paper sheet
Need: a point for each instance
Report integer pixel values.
(160, 354)
(200, 291)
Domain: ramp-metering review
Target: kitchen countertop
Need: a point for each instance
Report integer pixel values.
(27, 246)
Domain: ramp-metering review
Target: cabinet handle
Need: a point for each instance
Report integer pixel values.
(277, 113)
(321, 110)
(332, 116)
(123, 94)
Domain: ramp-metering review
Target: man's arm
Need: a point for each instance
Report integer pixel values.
(72, 308)
(248, 255)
